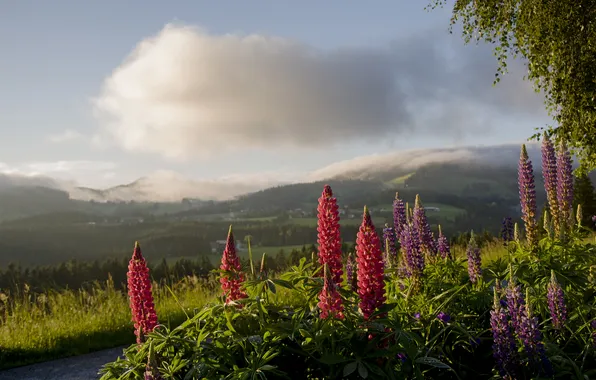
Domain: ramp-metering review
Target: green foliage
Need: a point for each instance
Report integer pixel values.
(441, 331)
(557, 38)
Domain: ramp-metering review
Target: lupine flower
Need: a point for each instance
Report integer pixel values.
(232, 280)
(527, 195)
(399, 214)
(330, 301)
(507, 229)
(402, 357)
(416, 315)
(420, 222)
(329, 237)
(140, 295)
(593, 326)
(531, 337)
(350, 275)
(556, 302)
(594, 218)
(369, 259)
(474, 260)
(547, 224)
(549, 173)
(515, 304)
(503, 342)
(389, 243)
(443, 245)
(443, 317)
(516, 233)
(565, 185)
(411, 251)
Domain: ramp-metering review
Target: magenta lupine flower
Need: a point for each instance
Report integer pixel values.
(329, 238)
(420, 222)
(443, 245)
(330, 301)
(556, 302)
(474, 260)
(549, 173)
(503, 342)
(140, 295)
(389, 242)
(231, 281)
(411, 251)
(565, 185)
(527, 196)
(399, 214)
(369, 259)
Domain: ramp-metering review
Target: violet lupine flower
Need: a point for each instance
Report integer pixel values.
(443, 245)
(565, 185)
(411, 251)
(389, 242)
(399, 214)
(503, 342)
(556, 302)
(350, 275)
(330, 301)
(531, 337)
(474, 260)
(527, 196)
(507, 229)
(549, 173)
(140, 295)
(420, 222)
(231, 281)
(369, 259)
(516, 304)
(329, 238)
(443, 317)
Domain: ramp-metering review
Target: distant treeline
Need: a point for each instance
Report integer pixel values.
(76, 274)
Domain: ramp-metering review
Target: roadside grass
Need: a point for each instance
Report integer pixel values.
(41, 327)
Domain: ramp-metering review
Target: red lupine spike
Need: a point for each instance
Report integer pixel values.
(140, 295)
(231, 283)
(329, 237)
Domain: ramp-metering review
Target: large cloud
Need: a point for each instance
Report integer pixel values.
(185, 93)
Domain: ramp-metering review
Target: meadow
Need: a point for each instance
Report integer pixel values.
(404, 305)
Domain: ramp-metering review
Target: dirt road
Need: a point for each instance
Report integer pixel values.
(83, 367)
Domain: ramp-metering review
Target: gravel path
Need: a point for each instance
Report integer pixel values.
(83, 367)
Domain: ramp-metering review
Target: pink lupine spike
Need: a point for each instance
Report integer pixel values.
(140, 295)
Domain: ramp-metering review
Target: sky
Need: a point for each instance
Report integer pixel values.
(103, 93)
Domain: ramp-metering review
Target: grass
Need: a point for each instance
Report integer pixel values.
(36, 328)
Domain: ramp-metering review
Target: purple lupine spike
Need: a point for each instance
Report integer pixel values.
(474, 260)
(549, 173)
(515, 304)
(556, 302)
(389, 242)
(565, 185)
(504, 348)
(527, 196)
(531, 337)
(412, 252)
(420, 222)
(443, 245)
(507, 230)
(350, 272)
(399, 214)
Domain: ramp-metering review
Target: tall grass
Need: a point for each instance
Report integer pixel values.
(39, 327)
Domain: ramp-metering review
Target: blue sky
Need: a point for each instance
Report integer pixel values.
(319, 82)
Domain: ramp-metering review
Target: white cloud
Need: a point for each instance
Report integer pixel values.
(65, 136)
(185, 93)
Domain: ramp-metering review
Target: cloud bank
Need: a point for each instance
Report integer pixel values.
(185, 93)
